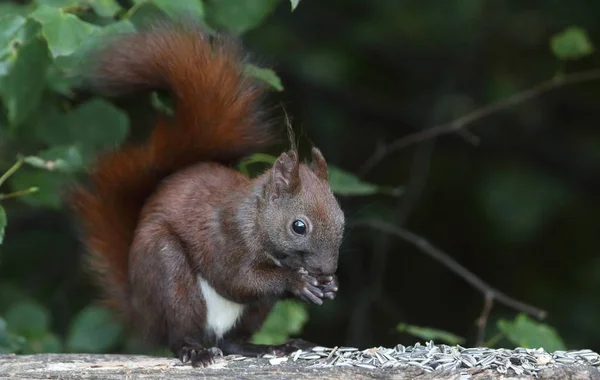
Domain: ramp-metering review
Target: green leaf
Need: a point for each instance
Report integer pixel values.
(255, 158)
(345, 183)
(58, 158)
(266, 75)
(10, 8)
(93, 330)
(47, 343)
(105, 8)
(341, 182)
(3, 223)
(57, 82)
(22, 87)
(28, 319)
(94, 126)
(60, 3)
(9, 342)
(193, 9)
(428, 334)
(527, 333)
(294, 4)
(76, 61)
(11, 26)
(64, 32)
(98, 125)
(238, 16)
(49, 184)
(572, 43)
(287, 318)
(144, 13)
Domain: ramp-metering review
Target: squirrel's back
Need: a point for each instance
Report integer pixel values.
(217, 117)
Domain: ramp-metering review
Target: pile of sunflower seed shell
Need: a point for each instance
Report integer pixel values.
(431, 357)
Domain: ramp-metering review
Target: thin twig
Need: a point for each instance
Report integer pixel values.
(478, 114)
(488, 303)
(11, 171)
(18, 193)
(424, 246)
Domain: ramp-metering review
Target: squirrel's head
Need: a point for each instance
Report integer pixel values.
(300, 215)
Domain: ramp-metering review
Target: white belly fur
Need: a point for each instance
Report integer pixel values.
(221, 314)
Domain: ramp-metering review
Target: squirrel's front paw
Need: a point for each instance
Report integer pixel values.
(306, 287)
(328, 285)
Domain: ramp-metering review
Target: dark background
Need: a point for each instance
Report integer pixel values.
(519, 209)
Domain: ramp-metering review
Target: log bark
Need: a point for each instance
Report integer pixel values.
(86, 366)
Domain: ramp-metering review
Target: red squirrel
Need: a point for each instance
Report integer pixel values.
(190, 252)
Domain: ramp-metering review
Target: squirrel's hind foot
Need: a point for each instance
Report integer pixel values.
(198, 355)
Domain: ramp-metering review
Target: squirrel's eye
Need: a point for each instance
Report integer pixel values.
(299, 227)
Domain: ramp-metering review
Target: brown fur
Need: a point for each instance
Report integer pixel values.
(159, 215)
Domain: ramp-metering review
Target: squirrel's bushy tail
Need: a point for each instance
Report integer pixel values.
(216, 117)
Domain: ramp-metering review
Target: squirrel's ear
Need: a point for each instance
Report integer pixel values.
(319, 165)
(285, 174)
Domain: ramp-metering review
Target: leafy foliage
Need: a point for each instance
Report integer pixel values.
(28, 319)
(525, 332)
(238, 16)
(3, 178)
(191, 8)
(287, 319)
(23, 84)
(94, 330)
(573, 43)
(345, 183)
(29, 329)
(64, 32)
(266, 75)
(12, 25)
(9, 342)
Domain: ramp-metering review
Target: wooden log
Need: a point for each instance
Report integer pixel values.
(87, 366)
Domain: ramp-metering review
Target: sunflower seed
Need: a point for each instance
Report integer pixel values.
(430, 358)
(276, 361)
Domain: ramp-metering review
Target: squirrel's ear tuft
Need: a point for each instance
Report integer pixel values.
(319, 165)
(285, 174)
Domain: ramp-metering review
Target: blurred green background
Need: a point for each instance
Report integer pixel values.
(519, 208)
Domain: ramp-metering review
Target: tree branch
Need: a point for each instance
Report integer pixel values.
(480, 113)
(424, 246)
